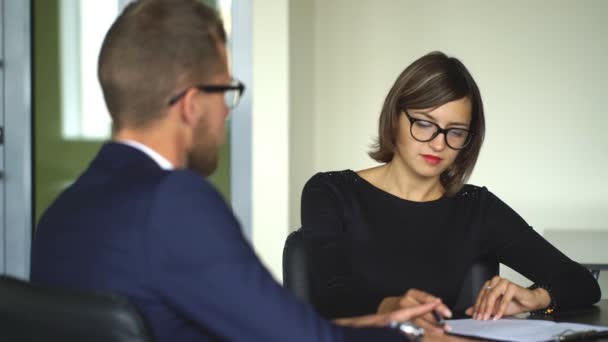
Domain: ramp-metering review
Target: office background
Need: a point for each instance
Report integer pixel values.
(317, 72)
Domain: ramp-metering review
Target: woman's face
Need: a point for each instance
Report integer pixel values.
(429, 159)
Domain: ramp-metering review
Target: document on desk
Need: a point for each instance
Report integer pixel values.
(524, 330)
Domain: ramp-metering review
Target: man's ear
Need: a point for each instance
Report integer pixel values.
(191, 110)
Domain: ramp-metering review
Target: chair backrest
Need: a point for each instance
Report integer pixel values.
(32, 312)
(296, 274)
(476, 276)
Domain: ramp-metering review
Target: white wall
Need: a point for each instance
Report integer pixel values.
(282, 120)
(270, 129)
(302, 143)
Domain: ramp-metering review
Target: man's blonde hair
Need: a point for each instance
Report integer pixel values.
(152, 49)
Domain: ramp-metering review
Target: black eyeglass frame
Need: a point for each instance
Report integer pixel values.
(211, 89)
(439, 130)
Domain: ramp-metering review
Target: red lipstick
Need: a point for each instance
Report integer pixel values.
(431, 159)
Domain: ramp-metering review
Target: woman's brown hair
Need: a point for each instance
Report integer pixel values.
(430, 82)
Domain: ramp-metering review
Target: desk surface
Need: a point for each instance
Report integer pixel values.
(595, 315)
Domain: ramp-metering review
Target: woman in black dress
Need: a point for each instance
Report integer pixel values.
(406, 232)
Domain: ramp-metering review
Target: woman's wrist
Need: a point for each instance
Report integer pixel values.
(543, 298)
(545, 301)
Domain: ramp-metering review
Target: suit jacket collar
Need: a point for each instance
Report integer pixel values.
(116, 156)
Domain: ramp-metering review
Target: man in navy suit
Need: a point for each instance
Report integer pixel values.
(142, 221)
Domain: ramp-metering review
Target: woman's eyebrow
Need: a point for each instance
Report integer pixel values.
(432, 118)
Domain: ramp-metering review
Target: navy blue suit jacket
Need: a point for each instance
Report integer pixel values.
(168, 242)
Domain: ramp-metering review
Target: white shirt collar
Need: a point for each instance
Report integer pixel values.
(162, 162)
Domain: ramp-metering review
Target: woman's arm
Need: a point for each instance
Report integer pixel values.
(515, 244)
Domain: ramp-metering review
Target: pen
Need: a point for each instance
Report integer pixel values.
(438, 318)
(577, 335)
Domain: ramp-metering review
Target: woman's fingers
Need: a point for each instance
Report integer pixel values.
(507, 298)
(488, 295)
(499, 297)
(499, 286)
(480, 296)
(482, 304)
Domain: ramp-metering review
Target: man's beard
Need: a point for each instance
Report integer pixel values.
(203, 160)
(203, 157)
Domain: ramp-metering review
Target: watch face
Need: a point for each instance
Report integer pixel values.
(413, 332)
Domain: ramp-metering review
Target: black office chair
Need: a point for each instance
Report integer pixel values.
(296, 274)
(476, 276)
(31, 312)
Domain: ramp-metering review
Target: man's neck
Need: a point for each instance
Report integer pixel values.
(156, 140)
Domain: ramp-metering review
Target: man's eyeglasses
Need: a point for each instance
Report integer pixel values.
(232, 92)
(424, 130)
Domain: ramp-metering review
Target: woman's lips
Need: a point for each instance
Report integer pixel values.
(433, 160)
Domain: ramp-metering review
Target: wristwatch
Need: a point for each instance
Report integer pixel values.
(409, 329)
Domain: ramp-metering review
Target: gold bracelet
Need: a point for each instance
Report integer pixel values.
(549, 310)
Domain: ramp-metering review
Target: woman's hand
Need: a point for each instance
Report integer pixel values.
(500, 297)
(414, 298)
(383, 319)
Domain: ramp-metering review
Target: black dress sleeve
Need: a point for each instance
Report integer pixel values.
(516, 244)
(327, 243)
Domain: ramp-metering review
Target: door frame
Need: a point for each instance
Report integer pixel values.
(16, 183)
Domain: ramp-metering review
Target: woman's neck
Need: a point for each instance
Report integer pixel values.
(399, 181)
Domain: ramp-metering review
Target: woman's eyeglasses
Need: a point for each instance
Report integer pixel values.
(424, 130)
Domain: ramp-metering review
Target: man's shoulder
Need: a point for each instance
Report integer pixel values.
(187, 209)
(184, 190)
(186, 181)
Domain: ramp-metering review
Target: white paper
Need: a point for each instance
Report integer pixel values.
(519, 330)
